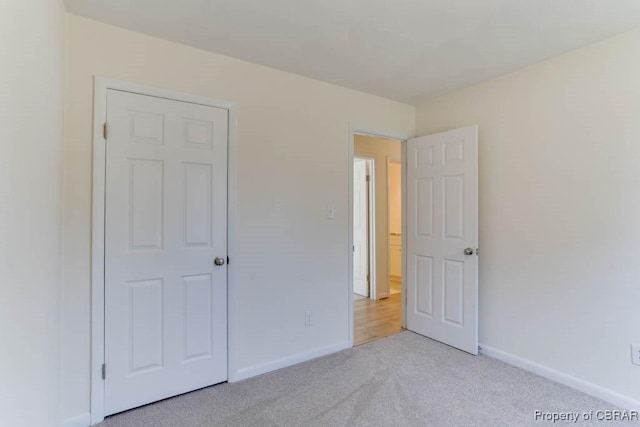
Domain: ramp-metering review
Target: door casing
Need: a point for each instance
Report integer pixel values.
(101, 85)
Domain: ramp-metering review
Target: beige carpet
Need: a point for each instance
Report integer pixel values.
(402, 380)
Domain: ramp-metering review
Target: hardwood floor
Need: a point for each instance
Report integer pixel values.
(373, 320)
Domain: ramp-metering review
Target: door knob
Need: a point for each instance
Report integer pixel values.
(218, 261)
(468, 251)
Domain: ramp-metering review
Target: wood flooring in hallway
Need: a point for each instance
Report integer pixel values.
(373, 320)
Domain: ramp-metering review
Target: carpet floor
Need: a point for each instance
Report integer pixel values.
(402, 380)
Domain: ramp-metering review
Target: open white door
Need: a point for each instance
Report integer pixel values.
(165, 224)
(442, 237)
(360, 228)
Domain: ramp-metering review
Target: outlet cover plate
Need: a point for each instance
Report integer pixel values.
(308, 320)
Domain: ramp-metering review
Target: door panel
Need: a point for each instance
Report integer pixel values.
(165, 222)
(145, 325)
(197, 292)
(145, 204)
(197, 204)
(360, 228)
(442, 220)
(424, 292)
(424, 215)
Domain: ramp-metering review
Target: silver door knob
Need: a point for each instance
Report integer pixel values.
(218, 261)
(468, 251)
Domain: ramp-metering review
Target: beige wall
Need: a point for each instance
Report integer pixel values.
(559, 151)
(395, 197)
(380, 150)
(293, 161)
(31, 110)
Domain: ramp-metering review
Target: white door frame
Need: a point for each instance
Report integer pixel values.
(101, 85)
(371, 226)
(371, 131)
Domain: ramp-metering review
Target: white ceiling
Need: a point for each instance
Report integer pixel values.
(408, 50)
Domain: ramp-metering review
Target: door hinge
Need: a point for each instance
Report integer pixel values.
(105, 132)
(368, 279)
(104, 371)
(368, 178)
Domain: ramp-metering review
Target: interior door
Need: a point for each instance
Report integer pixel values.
(165, 223)
(442, 237)
(360, 228)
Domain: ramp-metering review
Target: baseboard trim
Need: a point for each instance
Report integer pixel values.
(586, 387)
(284, 362)
(80, 420)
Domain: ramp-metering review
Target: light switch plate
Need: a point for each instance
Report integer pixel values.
(331, 212)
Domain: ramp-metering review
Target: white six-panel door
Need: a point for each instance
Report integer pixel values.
(442, 223)
(165, 223)
(360, 228)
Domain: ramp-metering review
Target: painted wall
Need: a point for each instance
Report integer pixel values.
(395, 197)
(559, 151)
(293, 162)
(31, 114)
(380, 150)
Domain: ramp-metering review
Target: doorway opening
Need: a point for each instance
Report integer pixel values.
(377, 238)
(439, 220)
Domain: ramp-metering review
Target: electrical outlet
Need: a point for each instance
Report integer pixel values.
(308, 320)
(635, 354)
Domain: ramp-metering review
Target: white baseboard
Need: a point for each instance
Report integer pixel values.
(263, 368)
(586, 387)
(81, 420)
